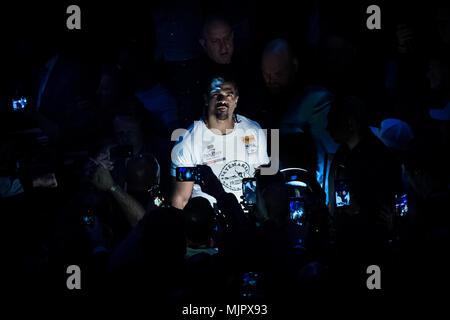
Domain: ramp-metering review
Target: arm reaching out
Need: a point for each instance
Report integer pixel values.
(133, 210)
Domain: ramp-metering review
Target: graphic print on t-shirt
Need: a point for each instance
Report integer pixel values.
(232, 174)
(250, 143)
(232, 157)
(211, 155)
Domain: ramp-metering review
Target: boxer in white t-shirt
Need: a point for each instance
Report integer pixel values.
(232, 145)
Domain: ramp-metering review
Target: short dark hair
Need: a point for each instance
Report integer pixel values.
(349, 107)
(219, 80)
(214, 82)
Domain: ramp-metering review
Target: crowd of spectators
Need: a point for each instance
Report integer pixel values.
(363, 116)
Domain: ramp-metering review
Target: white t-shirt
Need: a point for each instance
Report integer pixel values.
(232, 157)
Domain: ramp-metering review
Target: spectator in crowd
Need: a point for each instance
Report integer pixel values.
(199, 224)
(151, 256)
(134, 130)
(407, 97)
(398, 136)
(107, 91)
(295, 109)
(427, 178)
(128, 131)
(205, 266)
(217, 40)
(279, 68)
(428, 173)
(26, 163)
(348, 126)
(395, 134)
(143, 179)
(133, 210)
(60, 88)
(436, 168)
(202, 265)
(285, 244)
(98, 171)
(369, 172)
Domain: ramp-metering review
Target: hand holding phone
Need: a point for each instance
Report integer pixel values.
(249, 191)
(297, 210)
(88, 218)
(401, 205)
(187, 174)
(157, 196)
(342, 194)
(209, 182)
(19, 104)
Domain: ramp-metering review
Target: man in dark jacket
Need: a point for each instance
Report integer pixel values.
(364, 168)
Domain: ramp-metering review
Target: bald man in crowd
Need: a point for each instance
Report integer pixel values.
(216, 38)
(279, 68)
(220, 58)
(289, 104)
